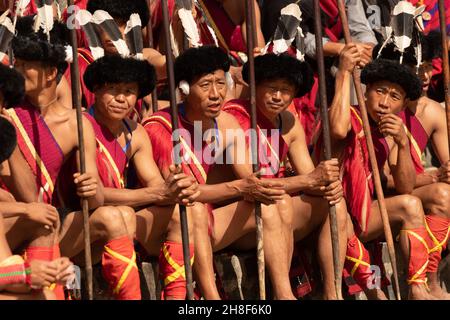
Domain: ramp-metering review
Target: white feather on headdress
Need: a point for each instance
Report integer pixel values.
(107, 23)
(84, 19)
(133, 36)
(21, 6)
(187, 20)
(44, 17)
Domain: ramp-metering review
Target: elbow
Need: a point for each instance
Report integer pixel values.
(338, 133)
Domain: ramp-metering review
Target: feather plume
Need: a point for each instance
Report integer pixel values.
(6, 35)
(175, 50)
(187, 20)
(107, 23)
(84, 19)
(206, 21)
(44, 18)
(21, 6)
(133, 36)
(402, 23)
(287, 28)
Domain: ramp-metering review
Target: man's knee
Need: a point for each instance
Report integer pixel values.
(441, 198)
(129, 218)
(412, 209)
(286, 210)
(109, 220)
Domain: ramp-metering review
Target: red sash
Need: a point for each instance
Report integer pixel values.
(268, 149)
(159, 129)
(229, 35)
(111, 160)
(418, 137)
(333, 25)
(39, 147)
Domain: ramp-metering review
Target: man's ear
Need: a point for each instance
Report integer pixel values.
(51, 73)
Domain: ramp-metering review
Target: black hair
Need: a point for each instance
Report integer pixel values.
(8, 139)
(122, 9)
(33, 46)
(196, 62)
(272, 67)
(392, 71)
(115, 69)
(12, 86)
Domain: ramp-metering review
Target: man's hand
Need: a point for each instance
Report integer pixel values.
(86, 185)
(333, 193)
(43, 273)
(365, 53)
(266, 191)
(180, 188)
(392, 125)
(326, 172)
(444, 173)
(42, 213)
(349, 58)
(65, 270)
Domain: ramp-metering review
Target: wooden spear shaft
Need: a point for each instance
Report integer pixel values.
(254, 144)
(176, 142)
(327, 144)
(76, 102)
(372, 156)
(151, 45)
(445, 64)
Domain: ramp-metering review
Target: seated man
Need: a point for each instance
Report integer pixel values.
(425, 122)
(278, 80)
(389, 87)
(122, 144)
(200, 72)
(17, 276)
(46, 137)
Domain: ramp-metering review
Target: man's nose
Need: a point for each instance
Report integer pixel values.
(214, 92)
(384, 101)
(277, 95)
(120, 97)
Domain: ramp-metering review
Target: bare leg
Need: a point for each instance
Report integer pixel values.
(404, 211)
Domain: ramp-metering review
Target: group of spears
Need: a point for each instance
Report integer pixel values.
(187, 128)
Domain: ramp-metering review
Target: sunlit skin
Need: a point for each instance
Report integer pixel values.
(206, 97)
(273, 97)
(116, 100)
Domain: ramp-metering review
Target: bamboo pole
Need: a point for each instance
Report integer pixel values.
(327, 144)
(251, 31)
(176, 141)
(76, 102)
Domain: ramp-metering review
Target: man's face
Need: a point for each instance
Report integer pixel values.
(207, 94)
(115, 100)
(274, 96)
(425, 74)
(107, 44)
(384, 97)
(37, 76)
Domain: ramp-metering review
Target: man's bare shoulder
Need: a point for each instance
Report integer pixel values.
(432, 111)
(226, 120)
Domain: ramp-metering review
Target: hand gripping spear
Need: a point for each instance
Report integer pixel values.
(176, 141)
(251, 32)
(445, 63)
(372, 157)
(76, 102)
(327, 144)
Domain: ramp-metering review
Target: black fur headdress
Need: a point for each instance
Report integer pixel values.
(12, 86)
(392, 71)
(284, 66)
(34, 46)
(116, 69)
(8, 139)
